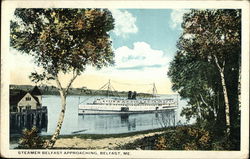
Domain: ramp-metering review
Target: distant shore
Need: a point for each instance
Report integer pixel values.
(51, 90)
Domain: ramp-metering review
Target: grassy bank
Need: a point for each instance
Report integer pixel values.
(190, 137)
(15, 138)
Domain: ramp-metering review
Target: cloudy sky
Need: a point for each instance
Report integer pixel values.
(144, 41)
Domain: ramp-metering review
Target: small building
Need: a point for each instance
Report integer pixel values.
(26, 110)
(22, 100)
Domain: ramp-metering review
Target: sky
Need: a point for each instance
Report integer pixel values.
(144, 42)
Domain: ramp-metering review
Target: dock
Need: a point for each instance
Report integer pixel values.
(29, 118)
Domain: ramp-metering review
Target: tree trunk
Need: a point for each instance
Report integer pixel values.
(223, 83)
(60, 121)
(63, 95)
(226, 99)
(198, 108)
(239, 82)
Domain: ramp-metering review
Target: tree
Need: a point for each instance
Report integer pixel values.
(196, 81)
(63, 40)
(214, 37)
(30, 139)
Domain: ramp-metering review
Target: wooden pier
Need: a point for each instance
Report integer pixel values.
(29, 118)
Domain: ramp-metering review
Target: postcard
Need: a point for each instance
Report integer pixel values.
(125, 79)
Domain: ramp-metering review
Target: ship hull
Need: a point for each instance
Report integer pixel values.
(109, 109)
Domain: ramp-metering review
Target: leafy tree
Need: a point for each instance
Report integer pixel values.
(211, 38)
(63, 40)
(194, 80)
(30, 139)
(216, 35)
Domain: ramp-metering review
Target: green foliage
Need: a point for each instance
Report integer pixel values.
(210, 44)
(211, 32)
(63, 39)
(181, 138)
(196, 81)
(160, 143)
(221, 144)
(187, 138)
(30, 139)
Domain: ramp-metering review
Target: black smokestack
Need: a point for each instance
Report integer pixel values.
(134, 95)
(129, 94)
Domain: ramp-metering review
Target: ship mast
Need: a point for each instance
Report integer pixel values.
(109, 88)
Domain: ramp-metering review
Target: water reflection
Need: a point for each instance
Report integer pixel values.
(122, 123)
(166, 118)
(130, 124)
(124, 118)
(103, 124)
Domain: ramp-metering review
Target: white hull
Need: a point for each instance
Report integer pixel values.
(132, 104)
(118, 109)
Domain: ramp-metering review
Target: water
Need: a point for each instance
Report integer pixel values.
(102, 124)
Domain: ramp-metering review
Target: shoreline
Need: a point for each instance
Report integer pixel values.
(13, 137)
(111, 143)
(73, 141)
(97, 141)
(170, 138)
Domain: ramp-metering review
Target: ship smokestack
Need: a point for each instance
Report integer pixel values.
(129, 94)
(134, 95)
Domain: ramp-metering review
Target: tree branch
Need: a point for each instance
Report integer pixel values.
(199, 107)
(221, 69)
(71, 81)
(203, 100)
(58, 84)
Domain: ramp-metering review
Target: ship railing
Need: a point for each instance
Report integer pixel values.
(134, 102)
(125, 104)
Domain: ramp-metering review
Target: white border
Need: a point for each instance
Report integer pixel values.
(9, 5)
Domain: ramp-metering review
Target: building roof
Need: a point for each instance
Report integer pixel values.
(37, 100)
(36, 91)
(17, 95)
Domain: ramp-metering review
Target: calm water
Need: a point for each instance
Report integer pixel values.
(104, 124)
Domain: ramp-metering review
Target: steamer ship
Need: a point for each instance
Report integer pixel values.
(131, 104)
